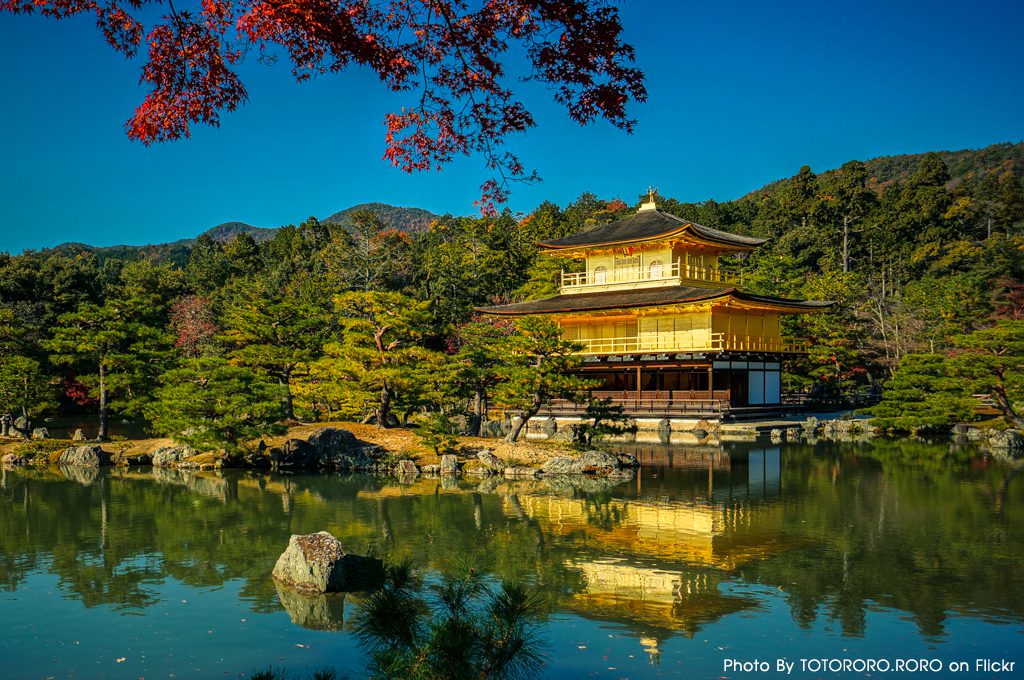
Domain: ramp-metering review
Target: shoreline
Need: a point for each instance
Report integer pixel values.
(350, 446)
(387, 447)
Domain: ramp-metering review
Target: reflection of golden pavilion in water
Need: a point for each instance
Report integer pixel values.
(658, 565)
(654, 565)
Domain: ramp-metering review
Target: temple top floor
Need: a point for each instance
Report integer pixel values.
(650, 248)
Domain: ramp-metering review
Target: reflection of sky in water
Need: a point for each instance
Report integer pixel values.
(744, 552)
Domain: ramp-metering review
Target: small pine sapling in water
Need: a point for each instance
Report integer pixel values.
(437, 431)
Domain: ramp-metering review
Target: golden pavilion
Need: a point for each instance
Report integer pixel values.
(666, 330)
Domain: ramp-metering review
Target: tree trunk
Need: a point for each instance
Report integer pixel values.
(1007, 408)
(477, 418)
(846, 244)
(384, 407)
(289, 410)
(104, 410)
(523, 416)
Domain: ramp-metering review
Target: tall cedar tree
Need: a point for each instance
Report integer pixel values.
(368, 255)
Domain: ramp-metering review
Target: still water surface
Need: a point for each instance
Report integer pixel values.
(890, 550)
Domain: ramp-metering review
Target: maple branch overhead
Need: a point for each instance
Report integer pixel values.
(455, 55)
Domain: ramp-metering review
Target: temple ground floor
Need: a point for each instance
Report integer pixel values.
(712, 385)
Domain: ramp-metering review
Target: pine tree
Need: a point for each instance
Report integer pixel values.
(539, 367)
(991, 361)
(122, 345)
(922, 396)
(380, 357)
(276, 336)
(474, 369)
(210, 404)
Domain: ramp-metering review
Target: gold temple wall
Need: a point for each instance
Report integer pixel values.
(676, 330)
(754, 323)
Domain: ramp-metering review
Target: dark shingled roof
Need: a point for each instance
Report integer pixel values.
(641, 297)
(645, 225)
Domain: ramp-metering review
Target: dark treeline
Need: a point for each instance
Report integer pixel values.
(366, 321)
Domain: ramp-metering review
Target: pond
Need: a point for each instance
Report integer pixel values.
(887, 551)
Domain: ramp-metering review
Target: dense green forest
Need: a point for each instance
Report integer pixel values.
(924, 255)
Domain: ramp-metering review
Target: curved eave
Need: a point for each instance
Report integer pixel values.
(646, 226)
(695, 232)
(785, 304)
(510, 310)
(750, 243)
(603, 302)
(550, 245)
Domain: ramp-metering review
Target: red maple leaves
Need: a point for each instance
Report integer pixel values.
(450, 56)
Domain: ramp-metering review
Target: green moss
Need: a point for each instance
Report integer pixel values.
(43, 450)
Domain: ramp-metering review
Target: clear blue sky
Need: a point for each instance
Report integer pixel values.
(741, 93)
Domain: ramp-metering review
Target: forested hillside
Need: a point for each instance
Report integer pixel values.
(919, 254)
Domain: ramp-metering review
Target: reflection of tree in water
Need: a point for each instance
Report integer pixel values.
(601, 512)
(902, 524)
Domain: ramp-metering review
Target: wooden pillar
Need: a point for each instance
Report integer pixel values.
(711, 380)
(638, 388)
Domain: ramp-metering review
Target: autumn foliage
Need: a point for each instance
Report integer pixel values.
(449, 56)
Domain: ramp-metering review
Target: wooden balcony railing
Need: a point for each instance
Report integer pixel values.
(676, 272)
(675, 402)
(715, 342)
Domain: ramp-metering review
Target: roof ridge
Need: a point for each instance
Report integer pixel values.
(647, 225)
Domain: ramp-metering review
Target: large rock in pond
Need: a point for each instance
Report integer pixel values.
(79, 436)
(406, 468)
(975, 434)
(170, 456)
(87, 456)
(599, 462)
(40, 433)
(562, 465)
(317, 563)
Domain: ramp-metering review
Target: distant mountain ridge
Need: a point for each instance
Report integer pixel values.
(229, 230)
(412, 220)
